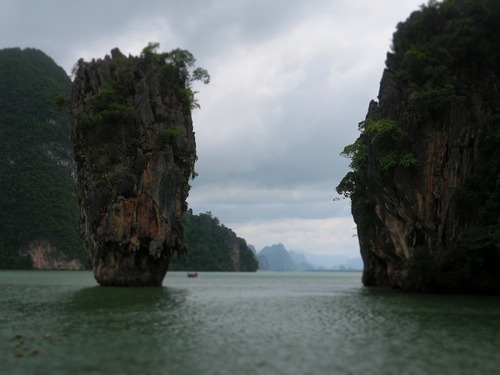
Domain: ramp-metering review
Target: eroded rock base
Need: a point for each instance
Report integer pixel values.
(135, 269)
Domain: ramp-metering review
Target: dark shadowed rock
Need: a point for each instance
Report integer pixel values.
(135, 149)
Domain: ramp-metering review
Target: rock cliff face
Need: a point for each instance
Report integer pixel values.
(135, 149)
(425, 185)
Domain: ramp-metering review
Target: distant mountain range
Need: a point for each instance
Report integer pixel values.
(278, 258)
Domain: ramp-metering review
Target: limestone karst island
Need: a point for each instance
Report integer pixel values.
(425, 179)
(135, 150)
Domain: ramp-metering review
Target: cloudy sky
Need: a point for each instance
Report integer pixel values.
(291, 79)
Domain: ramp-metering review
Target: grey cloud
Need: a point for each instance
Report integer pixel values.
(291, 79)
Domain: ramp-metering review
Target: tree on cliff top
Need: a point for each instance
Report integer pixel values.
(181, 65)
(182, 59)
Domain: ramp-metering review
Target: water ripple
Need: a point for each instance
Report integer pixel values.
(264, 323)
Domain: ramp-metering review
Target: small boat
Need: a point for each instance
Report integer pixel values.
(192, 274)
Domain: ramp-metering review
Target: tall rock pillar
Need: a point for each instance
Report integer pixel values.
(135, 150)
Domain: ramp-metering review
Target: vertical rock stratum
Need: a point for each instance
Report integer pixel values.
(135, 150)
(425, 179)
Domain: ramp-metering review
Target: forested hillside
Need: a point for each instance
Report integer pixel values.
(213, 247)
(38, 211)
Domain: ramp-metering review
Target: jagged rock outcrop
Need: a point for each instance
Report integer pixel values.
(135, 150)
(425, 185)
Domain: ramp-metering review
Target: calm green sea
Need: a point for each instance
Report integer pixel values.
(61, 322)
